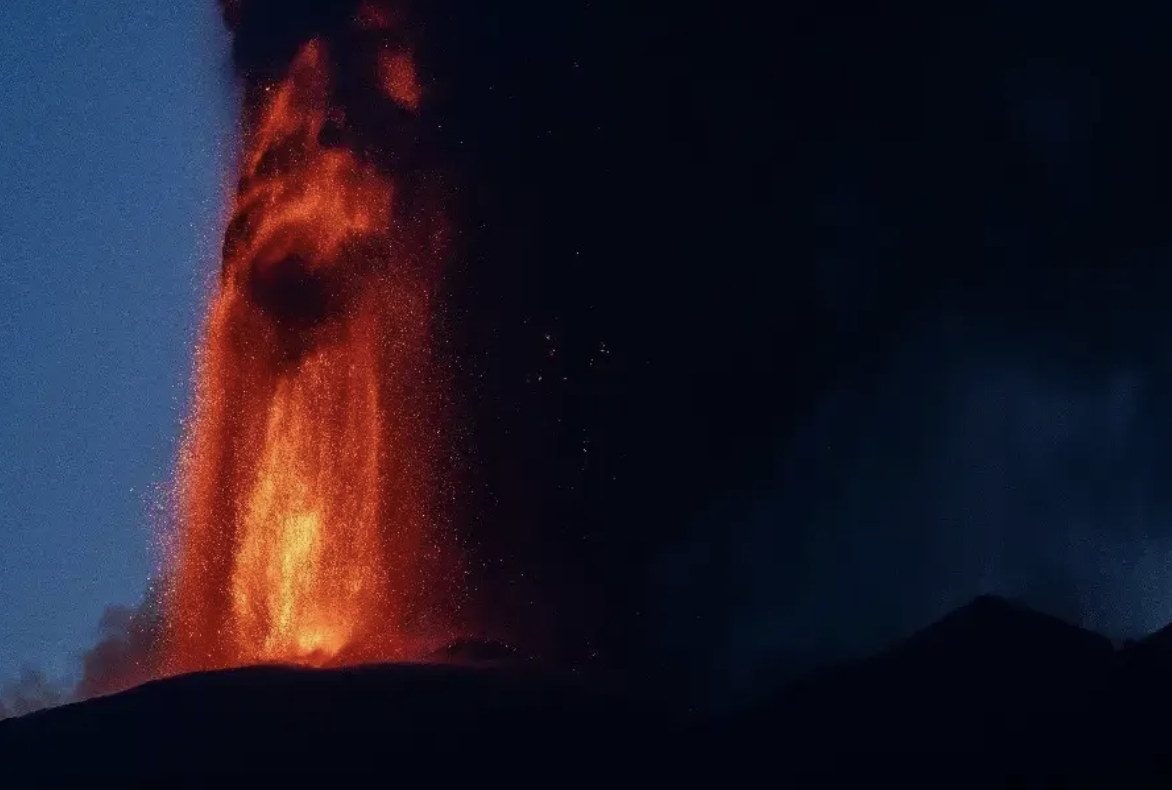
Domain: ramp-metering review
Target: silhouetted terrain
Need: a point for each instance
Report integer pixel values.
(404, 723)
(991, 692)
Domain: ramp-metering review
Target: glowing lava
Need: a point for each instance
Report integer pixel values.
(307, 532)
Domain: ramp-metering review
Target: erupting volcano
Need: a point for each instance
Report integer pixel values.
(309, 528)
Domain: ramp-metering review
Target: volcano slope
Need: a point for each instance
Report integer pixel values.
(990, 693)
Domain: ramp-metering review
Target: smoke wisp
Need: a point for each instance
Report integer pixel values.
(124, 656)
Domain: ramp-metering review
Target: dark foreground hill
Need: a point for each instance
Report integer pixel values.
(991, 692)
(405, 723)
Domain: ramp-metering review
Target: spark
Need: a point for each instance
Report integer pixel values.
(308, 530)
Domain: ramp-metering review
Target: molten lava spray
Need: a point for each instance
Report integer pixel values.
(308, 530)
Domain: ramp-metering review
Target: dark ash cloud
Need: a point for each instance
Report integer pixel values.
(961, 466)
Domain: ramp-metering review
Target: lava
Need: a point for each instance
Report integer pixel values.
(308, 527)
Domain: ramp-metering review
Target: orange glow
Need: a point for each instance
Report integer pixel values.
(298, 591)
(398, 78)
(307, 528)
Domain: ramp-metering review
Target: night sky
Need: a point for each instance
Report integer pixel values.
(116, 119)
(775, 339)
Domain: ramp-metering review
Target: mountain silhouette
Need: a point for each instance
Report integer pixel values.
(992, 692)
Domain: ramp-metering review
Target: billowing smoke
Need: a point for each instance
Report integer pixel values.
(124, 656)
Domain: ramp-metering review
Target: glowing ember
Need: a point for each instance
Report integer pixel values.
(306, 533)
(398, 77)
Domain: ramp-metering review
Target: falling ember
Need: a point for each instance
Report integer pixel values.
(307, 532)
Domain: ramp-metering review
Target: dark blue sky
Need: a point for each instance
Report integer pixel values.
(113, 153)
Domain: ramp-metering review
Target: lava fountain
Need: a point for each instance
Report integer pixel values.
(308, 529)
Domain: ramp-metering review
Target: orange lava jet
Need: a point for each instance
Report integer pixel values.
(308, 530)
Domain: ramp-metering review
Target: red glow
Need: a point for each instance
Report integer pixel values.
(397, 71)
(307, 531)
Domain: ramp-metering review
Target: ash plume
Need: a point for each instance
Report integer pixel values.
(125, 655)
(989, 406)
(267, 33)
